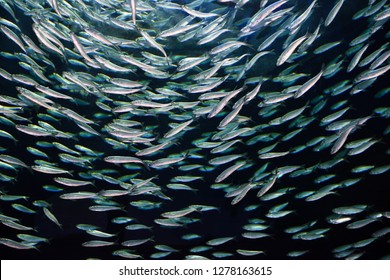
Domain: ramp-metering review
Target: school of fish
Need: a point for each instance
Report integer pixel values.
(198, 129)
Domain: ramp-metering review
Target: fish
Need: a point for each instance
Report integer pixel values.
(301, 18)
(177, 129)
(32, 238)
(308, 85)
(165, 121)
(49, 169)
(99, 233)
(71, 182)
(97, 243)
(285, 55)
(268, 185)
(136, 242)
(16, 245)
(333, 13)
(258, 18)
(229, 171)
(166, 161)
(78, 195)
(179, 213)
(51, 217)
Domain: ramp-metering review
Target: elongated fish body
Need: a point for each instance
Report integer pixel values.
(332, 14)
(285, 55)
(298, 21)
(133, 7)
(258, 18)
(356, 58)
(308, 85)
